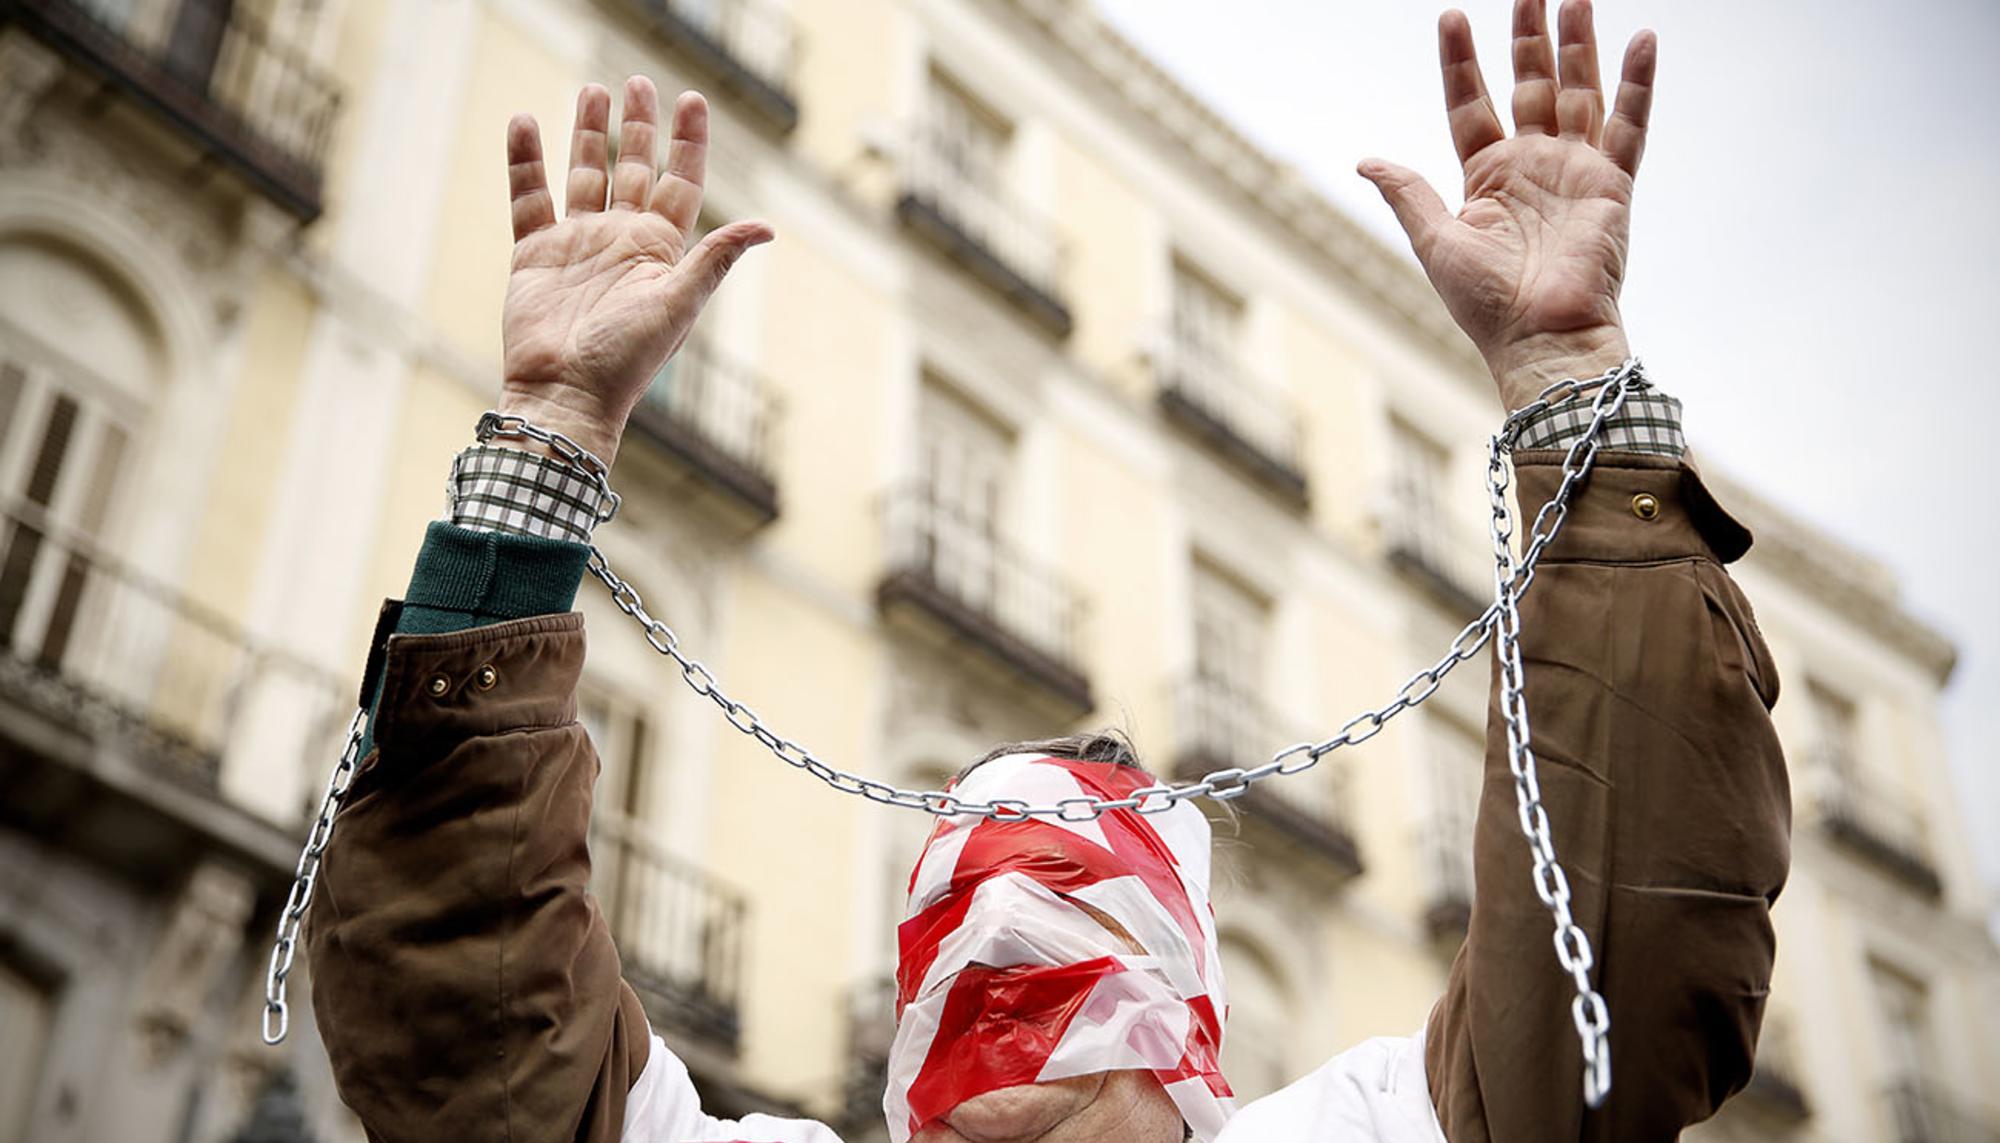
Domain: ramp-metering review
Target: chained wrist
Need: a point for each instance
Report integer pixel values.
(561, 492)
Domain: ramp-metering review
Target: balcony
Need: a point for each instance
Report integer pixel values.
(1207, 394)
(1775, 1088)
(1445, 565)
(1444, 846)
(716, 420)
(871, 1028)
(970, 220)
(1879, 825)
(119, 698)
(241, 95)
(680, 934)
(955, 574)
(748, 47)
(1924, 1114)
(1219, 728)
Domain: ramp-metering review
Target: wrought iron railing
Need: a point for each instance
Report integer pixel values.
(1875, 821)
(91, 642)
(871, 1028)
(969, 214)
(750, 47)
(719, 417)
(1777, 1083)
(959, 569)
(1449, 562)
(680, 933)
(215, 70)
(1444, 846)
(1923, 1113)
(1254, 426)
(1218, 725)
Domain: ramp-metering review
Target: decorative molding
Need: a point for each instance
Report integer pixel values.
(1849, 582)
(203, 936)
(28, 69)
(1274, 187)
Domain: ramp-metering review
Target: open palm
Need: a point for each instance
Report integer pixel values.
(1532, 264)
(598, 301)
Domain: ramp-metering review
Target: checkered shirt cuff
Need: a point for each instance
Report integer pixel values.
(1649, 422)
(494, 489)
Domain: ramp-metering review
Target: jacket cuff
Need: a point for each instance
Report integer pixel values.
(1634, 508)
(494, 576)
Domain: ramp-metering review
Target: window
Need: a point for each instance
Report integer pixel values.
(963, 470)
(1223, 722)
(1833, 720)
(1416, 478)
(1454, 772)
(1904, 1005)
(1231, 629)
(625, 860)
(966, 141)
(27, 1013)
(619, 732)
(1206, 324)
(1254, 1049)
(69, 415)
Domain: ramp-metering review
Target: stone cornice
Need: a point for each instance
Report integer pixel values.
(1849, 582)
(1275, 188)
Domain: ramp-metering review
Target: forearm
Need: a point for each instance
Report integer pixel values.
(1649, 690)
(462, 975)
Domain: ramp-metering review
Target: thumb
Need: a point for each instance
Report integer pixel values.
(695, 279)
(1418, 208)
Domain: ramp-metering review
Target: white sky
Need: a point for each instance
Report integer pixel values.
(1816, 249)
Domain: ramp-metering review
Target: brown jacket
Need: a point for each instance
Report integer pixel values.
(467, 988)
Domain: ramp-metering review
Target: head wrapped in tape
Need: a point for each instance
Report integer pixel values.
(1042, 949)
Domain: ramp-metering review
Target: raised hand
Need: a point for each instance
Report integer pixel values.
(598, 301)
(1531, 265)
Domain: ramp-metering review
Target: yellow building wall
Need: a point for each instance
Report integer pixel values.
(222, 568)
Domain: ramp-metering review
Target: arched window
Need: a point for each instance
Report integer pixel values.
(80, 361)
(27, 1012)
(1256, 1044)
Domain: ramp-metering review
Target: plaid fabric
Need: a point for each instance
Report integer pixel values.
(1649, 422)
(494, 489)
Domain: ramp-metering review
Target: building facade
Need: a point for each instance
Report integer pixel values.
(1056, 405)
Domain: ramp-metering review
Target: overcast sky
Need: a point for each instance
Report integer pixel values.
(1816, 249)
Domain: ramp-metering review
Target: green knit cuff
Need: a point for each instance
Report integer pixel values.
(466, 578)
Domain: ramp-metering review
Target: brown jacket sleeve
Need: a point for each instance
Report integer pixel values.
(1649, 689)
(464, 981)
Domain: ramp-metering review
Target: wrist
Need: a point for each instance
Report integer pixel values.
(1524, 367)
(562, 410)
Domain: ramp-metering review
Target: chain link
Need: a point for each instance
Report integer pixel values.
(277, 1014)
(1511, 579)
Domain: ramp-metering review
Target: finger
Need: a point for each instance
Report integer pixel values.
(632, 177)
(1580, 103)
(678, 193)
(527, 181)
(694, 281)
(1625, 134)
(1474, 124)
(1534, 70)
(1417, 206)
(587, 179)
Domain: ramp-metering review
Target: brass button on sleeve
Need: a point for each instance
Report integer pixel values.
(485, 677)
(438, 686)
(1646, 506)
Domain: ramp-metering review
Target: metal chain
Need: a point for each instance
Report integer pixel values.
(1511, 581)
(277, 1014)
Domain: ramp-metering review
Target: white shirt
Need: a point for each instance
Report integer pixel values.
(1374, 1092)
